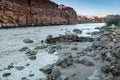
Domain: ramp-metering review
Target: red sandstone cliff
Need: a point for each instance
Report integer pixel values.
(34, 12)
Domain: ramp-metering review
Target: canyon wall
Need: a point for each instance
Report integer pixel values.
(34, 12)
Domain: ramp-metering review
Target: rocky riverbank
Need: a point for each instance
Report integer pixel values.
(97, 59)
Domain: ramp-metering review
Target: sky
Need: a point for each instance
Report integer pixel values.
(90, 7)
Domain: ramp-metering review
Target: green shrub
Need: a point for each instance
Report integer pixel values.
(115, 21)
(117, 30)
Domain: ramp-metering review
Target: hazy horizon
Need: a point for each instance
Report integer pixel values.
(92, 7)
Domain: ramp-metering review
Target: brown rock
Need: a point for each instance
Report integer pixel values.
(34, 12)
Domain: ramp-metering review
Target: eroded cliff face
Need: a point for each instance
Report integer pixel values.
(34, 12)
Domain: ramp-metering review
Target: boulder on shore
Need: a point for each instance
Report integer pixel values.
(52, 72)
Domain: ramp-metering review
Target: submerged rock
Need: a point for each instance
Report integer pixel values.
(31, 75)
(52, 49)
(30, 52)
(74, 48)
(33, 57)
(20, 68)
(28, 41)
(6, 74)
(77, 31)
(41, 47)
(10, 66)
(24, 78)
(24, 48)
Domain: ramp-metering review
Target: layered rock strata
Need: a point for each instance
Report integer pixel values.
(34, 12)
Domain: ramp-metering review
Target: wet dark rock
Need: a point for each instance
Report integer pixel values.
(85, 39)
(30, 52)
(43, 79)
(89, 33)
(75, 43)
(98, 28)
(109, 57)
(24, 78)
(52, 72)
(97, 57)
(109, 77)
(116, 51)
(81, 53)
(47, 69)
(68, 33)
(65, 61)
(77, 31)
(105, 69)
(33, 57)
(105, 38)
(40, 47)
(58, 47)
(91, 54)
(23, 49)
(86, 61)
(64, 78)
(67, 43)
(64, 65)
(74, 48)
(88, 49)
(95, 33)
(10, 66)
(52, 49)
(49, 39)
(115, 72)
(20, 68)
(28, 41)
(55, 73)
(114, 69)
(106, 33)
(31, 75)
(59, 62)
(28, 64)
(71, 37)
(69, 61)
(6, 74)
(97, 44)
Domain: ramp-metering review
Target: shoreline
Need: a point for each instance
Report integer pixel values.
(41, 25)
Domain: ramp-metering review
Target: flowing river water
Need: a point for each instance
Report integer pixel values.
(11, 40)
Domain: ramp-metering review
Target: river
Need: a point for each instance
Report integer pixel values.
(11, 40)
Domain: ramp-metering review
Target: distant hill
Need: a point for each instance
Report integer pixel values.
(99, 18)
